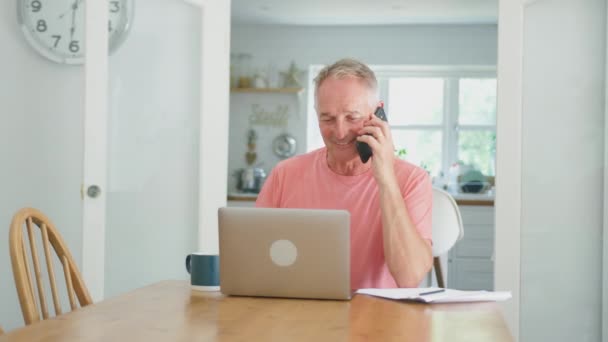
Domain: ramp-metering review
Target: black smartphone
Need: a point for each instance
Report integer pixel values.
(364, 150)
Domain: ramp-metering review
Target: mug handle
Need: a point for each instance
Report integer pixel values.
(188, 258)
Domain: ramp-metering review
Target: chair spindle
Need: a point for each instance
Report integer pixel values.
(68, 281)
(49, 265)
(45, 311)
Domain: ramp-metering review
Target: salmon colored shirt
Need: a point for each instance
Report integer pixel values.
(306, 181)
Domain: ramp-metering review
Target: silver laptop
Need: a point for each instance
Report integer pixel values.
(298, 253)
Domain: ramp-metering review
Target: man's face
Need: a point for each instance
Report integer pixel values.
(343, 105)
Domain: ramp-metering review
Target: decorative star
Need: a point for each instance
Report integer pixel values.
(292, 76)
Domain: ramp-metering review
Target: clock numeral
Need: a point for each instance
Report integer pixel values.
(114, 6)
(109, 26)
(41, 26)
(74, 47)
(57, 39)
(36, 6)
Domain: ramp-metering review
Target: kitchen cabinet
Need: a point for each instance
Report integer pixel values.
(471, 260)
(237, 203)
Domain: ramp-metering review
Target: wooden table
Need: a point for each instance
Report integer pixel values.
(170, 311)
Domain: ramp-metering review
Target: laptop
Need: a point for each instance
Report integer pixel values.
(293, 253)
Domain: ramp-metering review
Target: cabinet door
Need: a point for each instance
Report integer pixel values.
(478, 242)
(471, 265)
(471, 274)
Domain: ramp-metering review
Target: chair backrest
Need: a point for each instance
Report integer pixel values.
(447, 222)
(29, 219)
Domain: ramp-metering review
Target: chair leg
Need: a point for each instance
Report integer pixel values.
(438, 273)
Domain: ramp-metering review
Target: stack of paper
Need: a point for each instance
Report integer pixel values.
(437, 295)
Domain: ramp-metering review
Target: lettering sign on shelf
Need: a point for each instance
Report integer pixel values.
(278, 117)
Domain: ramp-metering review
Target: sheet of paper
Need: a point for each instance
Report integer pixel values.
(446, 296)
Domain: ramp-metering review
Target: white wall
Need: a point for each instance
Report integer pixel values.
(562, 158)
(279, 45)
(40, 146)
(408, 44)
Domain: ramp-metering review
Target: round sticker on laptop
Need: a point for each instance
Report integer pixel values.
(283, 253)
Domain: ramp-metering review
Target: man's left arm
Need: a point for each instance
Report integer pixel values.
(408, 255)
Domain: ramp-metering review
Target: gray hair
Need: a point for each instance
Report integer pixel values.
(348, 67)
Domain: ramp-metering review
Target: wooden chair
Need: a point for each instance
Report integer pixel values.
(1, 331)
(30, 219)
(447, 229)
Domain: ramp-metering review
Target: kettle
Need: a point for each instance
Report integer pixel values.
(250, 179)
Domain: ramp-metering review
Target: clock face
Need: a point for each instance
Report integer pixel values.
(55, 28)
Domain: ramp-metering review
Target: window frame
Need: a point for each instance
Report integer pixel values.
(449, 128)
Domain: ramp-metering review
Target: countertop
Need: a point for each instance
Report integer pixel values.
(461, 198)
(474, 199)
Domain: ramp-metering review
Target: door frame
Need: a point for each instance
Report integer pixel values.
(95, 146)
(605, 217)
(213, 142)
(509, 157)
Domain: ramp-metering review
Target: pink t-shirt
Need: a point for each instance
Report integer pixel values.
(306, 181)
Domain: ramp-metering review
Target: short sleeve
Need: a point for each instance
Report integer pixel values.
(418, 197)
(269, 196)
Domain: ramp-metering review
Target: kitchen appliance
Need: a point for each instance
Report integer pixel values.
(250, 179)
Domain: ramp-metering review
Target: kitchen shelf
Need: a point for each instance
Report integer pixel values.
(243, 197)
(266, 90)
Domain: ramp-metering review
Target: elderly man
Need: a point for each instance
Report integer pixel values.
(389, 200)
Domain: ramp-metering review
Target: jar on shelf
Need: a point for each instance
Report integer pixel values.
(259, 80)
(245, 76)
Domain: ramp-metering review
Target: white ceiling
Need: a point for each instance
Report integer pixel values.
(364, 12)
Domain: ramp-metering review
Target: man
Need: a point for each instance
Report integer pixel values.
(389, 200)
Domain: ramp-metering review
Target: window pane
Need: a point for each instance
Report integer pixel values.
(478, 149)
(415, 101)
(477, 101)
(423, 147)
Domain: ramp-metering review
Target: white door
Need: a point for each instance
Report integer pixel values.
(144, 135)
(551, 64)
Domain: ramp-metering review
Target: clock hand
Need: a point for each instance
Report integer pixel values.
(73, 28)
(75, 4)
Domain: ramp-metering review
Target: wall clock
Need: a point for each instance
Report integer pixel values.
(55, 28)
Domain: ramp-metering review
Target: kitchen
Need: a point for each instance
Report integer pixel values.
(266, 47)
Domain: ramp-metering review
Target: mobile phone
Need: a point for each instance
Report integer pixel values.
(365, 152)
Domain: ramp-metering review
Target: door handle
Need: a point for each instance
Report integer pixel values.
(93, 191)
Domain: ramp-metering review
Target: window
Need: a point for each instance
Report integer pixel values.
(477, 123)
(439, 115)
